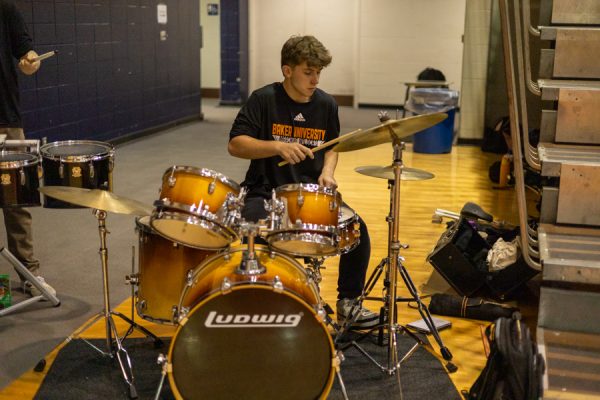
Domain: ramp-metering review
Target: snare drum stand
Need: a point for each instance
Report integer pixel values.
(392, 265)
(113, 341)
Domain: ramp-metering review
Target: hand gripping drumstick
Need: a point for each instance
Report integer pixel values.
(324, 145)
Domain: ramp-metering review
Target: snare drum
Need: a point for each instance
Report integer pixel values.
(19, 179)
(163, 267)
(86, 164)
(349, 230)
(264, 325)
(191, 209)
(309, 225)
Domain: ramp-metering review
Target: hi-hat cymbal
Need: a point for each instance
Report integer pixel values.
(408, 174)
(98, 199)
(386, 132)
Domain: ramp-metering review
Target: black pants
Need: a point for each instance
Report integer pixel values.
(353, 265)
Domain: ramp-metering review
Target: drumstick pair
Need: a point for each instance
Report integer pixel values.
(324, 145)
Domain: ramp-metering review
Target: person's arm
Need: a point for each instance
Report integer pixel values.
(244, 146)
(327, 173)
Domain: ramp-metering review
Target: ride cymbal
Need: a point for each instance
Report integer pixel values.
(98, 199)
(408, 174)
(389, 130)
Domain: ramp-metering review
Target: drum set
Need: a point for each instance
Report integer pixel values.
(244, 312)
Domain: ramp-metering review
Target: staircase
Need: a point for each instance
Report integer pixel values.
(565, 243)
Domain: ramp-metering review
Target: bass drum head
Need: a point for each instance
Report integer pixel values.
(251, 343)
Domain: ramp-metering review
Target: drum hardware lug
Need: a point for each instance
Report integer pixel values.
(172, 180)
(227, 257)
(91, 169)
(321, 314)
(332, 205)
(212, 186)
(61, 171)
(226, 286)
(141, 306)
(277, 284)
(300, 199)
(22, 177)
(174, 313)
(356, 230)
(132, 279)
(189, 278)
(182, 315)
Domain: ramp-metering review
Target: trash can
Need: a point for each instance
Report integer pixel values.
(438, 138)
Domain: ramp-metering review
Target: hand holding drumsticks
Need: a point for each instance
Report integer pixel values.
(323, 146)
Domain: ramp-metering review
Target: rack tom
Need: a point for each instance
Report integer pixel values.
(85, 164)
(19, 179)
(309, 225)
(192, 208)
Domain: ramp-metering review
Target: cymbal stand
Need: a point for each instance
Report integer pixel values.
(113, 341)
(393, 265)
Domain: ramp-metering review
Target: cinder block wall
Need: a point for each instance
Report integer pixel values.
(113, 75)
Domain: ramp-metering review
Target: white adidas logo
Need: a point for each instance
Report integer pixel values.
(299, 118)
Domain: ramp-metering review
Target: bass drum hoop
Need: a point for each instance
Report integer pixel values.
(109, 151)
(245, 286)
(258, 248)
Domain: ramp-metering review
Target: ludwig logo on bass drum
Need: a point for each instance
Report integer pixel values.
(216, 320)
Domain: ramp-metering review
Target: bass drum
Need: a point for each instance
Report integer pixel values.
(85, 164)
(262, 327)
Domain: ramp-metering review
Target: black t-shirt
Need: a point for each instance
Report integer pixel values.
(270, 114)
(15, 42)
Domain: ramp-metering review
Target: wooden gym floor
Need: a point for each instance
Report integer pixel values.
(460, 176)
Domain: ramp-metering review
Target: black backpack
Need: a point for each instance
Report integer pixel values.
(514, 367)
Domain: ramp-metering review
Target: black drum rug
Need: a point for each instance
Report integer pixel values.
(80, 372)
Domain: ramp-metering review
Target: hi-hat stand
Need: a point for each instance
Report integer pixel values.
(392, 265)
(114, 343)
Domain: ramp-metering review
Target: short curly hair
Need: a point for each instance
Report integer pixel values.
(298, 49)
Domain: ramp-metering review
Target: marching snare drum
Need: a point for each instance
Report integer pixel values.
(19, 179)
(349, 230)
(85, 164)
(163, 267)
(264, 325)
(309, 226)
(191, 209)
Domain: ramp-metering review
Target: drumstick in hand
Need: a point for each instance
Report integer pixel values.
(44, 56)
(324, 145)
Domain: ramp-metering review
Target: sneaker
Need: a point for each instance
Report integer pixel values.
(33, 291)
(363, 318)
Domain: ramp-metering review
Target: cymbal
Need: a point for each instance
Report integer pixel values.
(408, 174)
(98, 199)
(399, 128)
